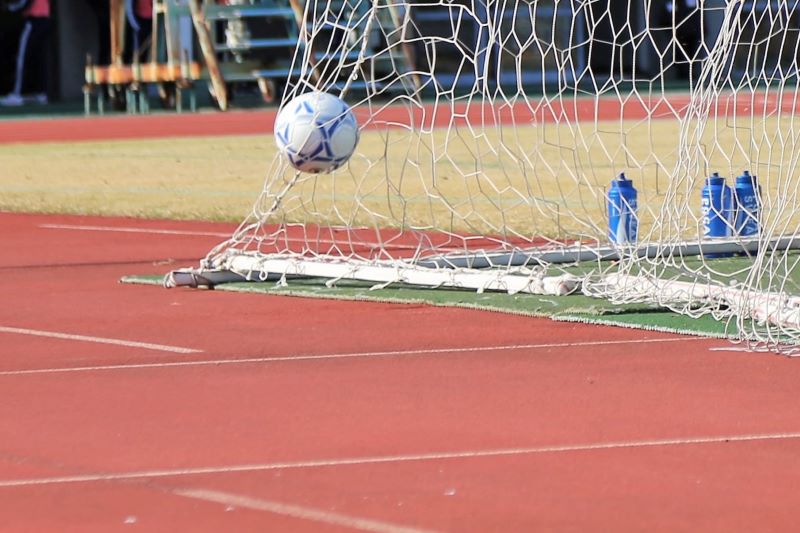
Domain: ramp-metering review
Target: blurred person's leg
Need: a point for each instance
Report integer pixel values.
(30, 69)
(139, 25)
(145, 31)
(14, 98)
(103, 18)
(37, 62)
(10, 29)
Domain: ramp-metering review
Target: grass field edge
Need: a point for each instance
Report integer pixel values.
(663, 321)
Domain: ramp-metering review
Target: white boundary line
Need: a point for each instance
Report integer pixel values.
(352, 355)
(153, 231)
(739, 349)
(99, 340)
(366, 460)
(159, 231)
(296, 511)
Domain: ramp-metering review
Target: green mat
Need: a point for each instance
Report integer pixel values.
(574, 308)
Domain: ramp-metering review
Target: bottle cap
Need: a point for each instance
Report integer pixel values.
(622, 181)
(745, 179)
(715, 179)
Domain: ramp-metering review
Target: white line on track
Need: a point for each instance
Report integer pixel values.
(154, 231)
(352, 355)
(99, 340)
(436, 456)
(296, 511)
(739, 349)
(311, 239)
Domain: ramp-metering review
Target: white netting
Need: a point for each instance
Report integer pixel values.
(493, 127)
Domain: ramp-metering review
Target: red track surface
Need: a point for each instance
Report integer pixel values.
(322, 415)
(113, 447)
(425, 116)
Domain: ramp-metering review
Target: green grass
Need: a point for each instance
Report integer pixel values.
(578, 308)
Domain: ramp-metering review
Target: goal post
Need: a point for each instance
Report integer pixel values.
(491, 133)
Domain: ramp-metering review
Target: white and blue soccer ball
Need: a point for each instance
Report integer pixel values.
(317, 132)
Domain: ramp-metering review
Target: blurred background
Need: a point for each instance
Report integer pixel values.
(68, 46)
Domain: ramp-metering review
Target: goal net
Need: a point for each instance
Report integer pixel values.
(491, 132)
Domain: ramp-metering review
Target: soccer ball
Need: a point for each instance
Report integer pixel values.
(317, 132)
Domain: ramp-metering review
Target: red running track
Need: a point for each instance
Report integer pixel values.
(316, 415)
(424, 116)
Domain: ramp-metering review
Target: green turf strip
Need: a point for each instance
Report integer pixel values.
(574, 308)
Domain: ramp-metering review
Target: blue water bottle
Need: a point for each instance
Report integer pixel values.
(717, 205)
(623, 223)
(717, 209)
(747, 203)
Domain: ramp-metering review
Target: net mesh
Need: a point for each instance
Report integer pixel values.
(490, 128)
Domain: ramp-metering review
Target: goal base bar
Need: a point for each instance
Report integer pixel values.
(199, 278)
(590, 253)
(774, 308)
(252, 267)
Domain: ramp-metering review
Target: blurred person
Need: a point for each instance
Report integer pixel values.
(10, 29)
(139, 26)
(102, 15)
(139, 16)
(30, 69)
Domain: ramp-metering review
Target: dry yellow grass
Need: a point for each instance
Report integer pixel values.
(200, 178)
(533, 180)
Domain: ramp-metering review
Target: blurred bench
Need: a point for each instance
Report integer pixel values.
(131, 82)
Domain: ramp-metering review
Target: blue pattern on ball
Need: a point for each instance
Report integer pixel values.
(328, 117)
